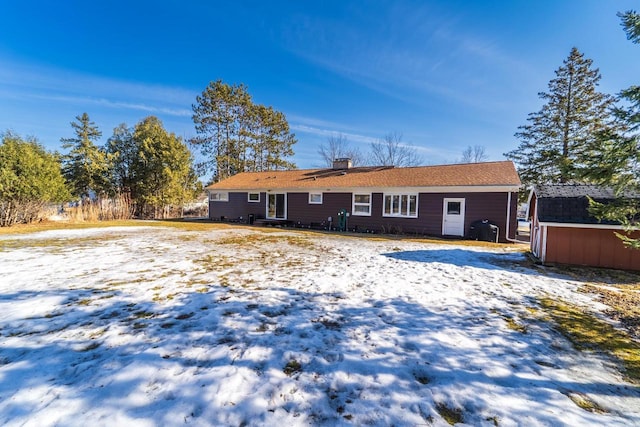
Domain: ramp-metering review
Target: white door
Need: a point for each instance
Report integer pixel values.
(453, 217)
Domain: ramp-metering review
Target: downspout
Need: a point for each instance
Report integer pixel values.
(506, 234)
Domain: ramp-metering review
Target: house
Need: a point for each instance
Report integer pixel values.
(427, 200)
(564, 232)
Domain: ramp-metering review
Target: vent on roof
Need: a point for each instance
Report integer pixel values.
(343, 163)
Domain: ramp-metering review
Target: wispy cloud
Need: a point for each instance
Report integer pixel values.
(53, 84)
(414, 54)
(352, 137)
(113, 104)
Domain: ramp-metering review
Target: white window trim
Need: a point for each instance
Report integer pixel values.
(399, 215)
(253, 201)
(219, 196)
(354, 204)
(316, 194)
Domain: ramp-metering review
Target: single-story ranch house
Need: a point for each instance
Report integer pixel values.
(564, 232)
(428, 200)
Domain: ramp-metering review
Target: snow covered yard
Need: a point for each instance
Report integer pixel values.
(146, 326)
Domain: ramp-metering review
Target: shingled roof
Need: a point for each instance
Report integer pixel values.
(470, 174)
(569, 203)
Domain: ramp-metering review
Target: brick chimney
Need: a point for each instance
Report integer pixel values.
(344, 163)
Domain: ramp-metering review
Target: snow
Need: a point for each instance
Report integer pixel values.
(147, 326)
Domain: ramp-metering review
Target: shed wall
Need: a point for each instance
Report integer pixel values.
(590, 247)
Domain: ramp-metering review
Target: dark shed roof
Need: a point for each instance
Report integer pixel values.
(568, 203)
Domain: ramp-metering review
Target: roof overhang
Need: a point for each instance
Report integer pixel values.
(430, 189)
(580, 225)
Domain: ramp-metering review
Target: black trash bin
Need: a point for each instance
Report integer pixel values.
(252, 218)
(484, 230)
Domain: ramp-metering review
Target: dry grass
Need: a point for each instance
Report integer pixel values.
(589, 333)
(623, 302)
(451, 415)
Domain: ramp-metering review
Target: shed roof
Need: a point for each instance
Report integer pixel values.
(569, 203)
(471, 174)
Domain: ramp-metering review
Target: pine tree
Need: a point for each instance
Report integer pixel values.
(235, 135)
(619, 163)
(86, 166)
(558, 140)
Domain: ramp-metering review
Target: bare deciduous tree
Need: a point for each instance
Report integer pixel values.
(337, 147)
(391, 151)
(474, 154)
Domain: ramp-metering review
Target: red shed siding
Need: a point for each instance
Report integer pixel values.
(478, 206)
(589, 247)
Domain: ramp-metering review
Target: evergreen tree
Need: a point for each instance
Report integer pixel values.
(163, 171)
(86, 166)
(30, 178)
(236, 135)
(619, 163)
(124, 152)
(559, 139)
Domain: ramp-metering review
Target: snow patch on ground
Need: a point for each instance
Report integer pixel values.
(148, 326)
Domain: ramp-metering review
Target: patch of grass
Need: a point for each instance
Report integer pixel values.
(142, 314)
(292, 367)
(451, 415)
(624, 303)
(511, 322)
(264, 238)
(493, 420)
(515, 326)
(587, 332)
(585, 402)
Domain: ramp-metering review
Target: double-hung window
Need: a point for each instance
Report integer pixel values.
(361, 204)
(400, 205)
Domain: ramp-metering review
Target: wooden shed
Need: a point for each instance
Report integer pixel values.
(564, 232)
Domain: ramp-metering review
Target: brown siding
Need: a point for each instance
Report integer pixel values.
(589, 247)
(237, 207)
(478, 206)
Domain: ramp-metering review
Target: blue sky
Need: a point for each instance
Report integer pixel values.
(444, 74)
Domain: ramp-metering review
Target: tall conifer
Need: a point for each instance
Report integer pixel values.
(558, 139)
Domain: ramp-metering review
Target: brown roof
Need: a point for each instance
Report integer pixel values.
(469, 174)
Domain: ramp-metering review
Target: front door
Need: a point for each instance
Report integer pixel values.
(453, 217)
(277, 206)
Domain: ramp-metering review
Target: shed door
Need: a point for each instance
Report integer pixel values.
(453, 217)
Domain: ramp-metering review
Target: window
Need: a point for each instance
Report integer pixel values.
(402, 205)
(253, 197)
(315, 198)
(219, 197)
(454, 208)
(362, 204)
